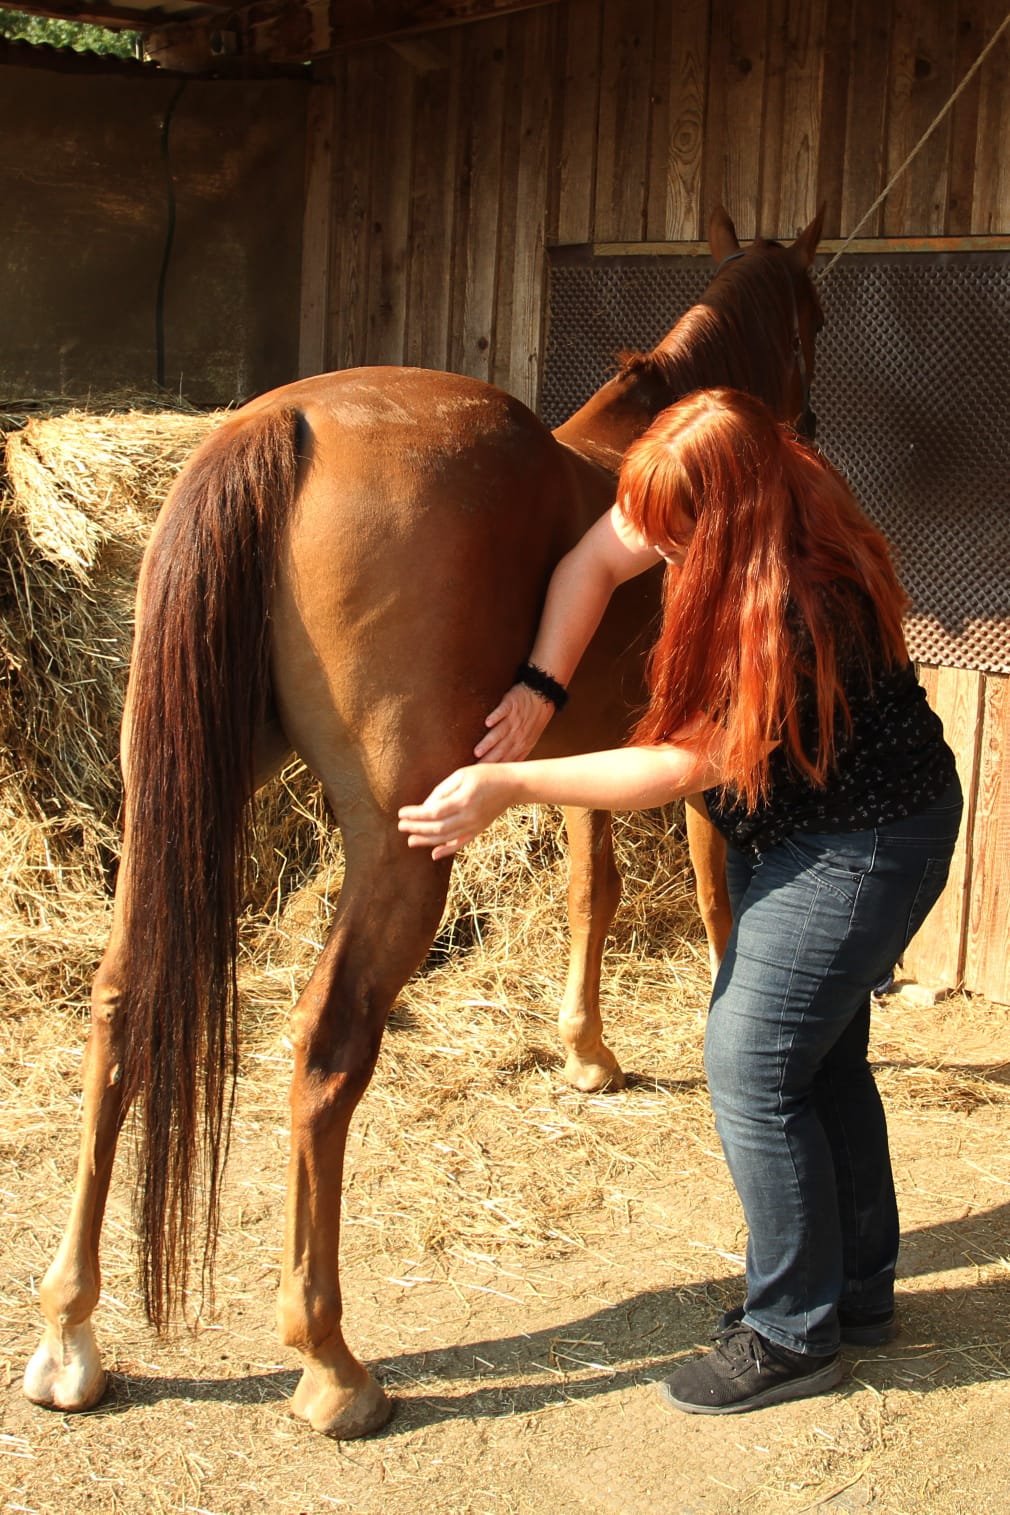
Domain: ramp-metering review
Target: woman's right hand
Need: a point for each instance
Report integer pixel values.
(457, 809)
(515, 726)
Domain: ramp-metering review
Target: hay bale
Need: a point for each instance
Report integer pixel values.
(79, 492)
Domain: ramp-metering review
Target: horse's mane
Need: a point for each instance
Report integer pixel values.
(739, 335)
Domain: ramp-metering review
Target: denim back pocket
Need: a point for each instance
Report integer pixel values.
(838, 858)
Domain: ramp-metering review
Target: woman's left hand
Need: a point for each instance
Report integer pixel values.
(515, 726)
(457, 809)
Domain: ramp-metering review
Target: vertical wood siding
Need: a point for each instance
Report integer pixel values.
(445, 174)
(626, 121)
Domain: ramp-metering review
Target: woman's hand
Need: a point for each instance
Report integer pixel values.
(457, 809)
(514, 726)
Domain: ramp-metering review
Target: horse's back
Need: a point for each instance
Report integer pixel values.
(425, 406)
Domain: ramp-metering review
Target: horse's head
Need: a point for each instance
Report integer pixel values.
(753, 329)
(803, 308)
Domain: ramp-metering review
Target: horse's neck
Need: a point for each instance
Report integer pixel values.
(605, 427)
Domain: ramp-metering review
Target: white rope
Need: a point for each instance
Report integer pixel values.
(924, 138)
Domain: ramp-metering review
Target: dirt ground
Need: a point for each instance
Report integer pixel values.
(520, 1265)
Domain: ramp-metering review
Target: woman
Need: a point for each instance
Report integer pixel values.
(780, 685)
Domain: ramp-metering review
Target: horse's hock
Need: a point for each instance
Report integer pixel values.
(917, 421)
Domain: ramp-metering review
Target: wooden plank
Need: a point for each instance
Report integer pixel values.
(431, 269)
(991, 201)
(970, 38)
(478, 193)
(936, 955)
(866, 117)
(770, 182)
(921, 84)
(529, 268)
(987, 961)
(796, 199)
(733, 137)
(317, 231)
(834, 95)
(510, 209)
(658, 128)
(675, 210)
(355, 147)
(580, 106)
(338, 202)
(389, 224)
(622, 146)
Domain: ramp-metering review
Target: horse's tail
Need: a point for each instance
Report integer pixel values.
(199, 686)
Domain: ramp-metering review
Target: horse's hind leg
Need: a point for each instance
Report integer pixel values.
(594, 892)
(708, 859)
(66, 1372)
(389, 908)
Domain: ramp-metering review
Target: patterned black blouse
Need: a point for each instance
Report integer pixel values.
(894, 763)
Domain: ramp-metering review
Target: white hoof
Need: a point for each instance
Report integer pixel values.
(65, 1372)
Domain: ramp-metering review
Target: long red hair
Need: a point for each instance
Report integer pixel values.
(783, 579)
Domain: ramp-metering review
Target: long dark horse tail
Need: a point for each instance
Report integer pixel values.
(199, 686)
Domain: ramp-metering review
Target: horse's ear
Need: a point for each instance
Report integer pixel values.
(722, 238)
(806, 242)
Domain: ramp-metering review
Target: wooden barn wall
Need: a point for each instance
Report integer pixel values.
(84, 185)
(439, 174)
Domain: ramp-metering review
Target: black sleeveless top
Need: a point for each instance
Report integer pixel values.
(893, 763)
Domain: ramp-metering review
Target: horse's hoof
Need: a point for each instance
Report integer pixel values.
(597, 1075)
(344, 1413)
(65, 1372)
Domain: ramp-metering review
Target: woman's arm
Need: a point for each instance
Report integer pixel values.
(578, 594)
(629, 778)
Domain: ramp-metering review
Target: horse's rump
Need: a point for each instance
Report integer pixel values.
(413, 573)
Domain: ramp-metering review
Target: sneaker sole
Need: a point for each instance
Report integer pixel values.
(791, 1388)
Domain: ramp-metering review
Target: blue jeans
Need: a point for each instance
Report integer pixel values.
(818, 921)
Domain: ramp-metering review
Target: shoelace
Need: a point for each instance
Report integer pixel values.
(741, 1345)
(740, 1341)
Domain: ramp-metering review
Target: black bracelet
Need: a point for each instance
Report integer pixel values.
(540, 681)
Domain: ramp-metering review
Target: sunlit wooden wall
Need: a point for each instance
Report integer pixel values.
(440, 171)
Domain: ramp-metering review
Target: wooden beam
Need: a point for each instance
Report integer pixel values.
(350, 21)
(378, 20)
(290, 31)
(124, 17)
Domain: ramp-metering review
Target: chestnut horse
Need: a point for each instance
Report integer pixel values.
(351, 569)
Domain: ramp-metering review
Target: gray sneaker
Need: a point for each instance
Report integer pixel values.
(743, 1371)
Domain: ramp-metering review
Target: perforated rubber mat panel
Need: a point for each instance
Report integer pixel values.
(912, 394)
